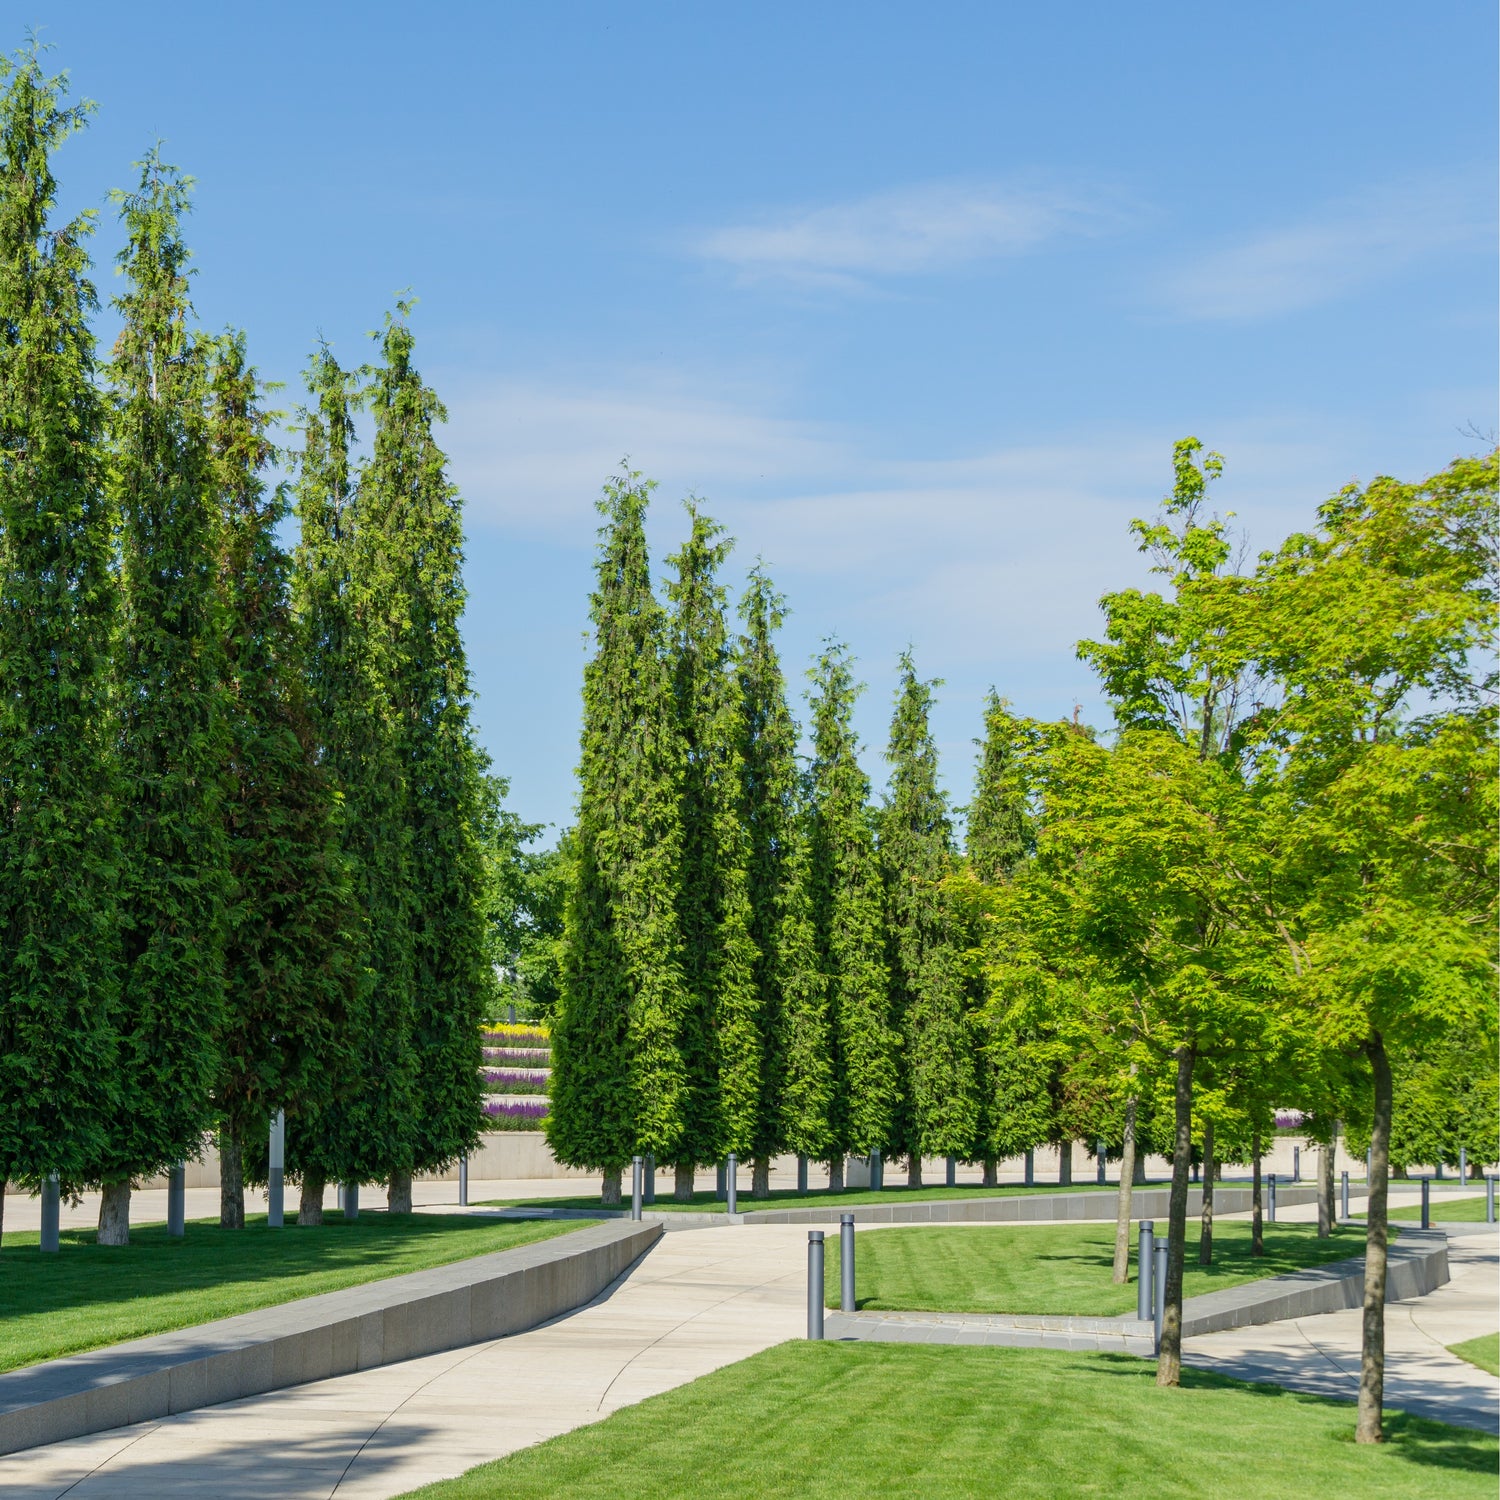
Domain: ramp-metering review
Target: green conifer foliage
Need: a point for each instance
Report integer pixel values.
(411, 516)
(938, 1114)
(174, 884)
(999, 833)
(58, 845)
(287, 959)
(768, 771)
(619, 1082)
(721, 1040)
(847, 911)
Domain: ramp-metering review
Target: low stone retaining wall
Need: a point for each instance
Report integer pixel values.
(336, 1333)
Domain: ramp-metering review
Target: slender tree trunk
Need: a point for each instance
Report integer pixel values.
(1325, 1189)
(1169, 1362)
(310, 1200)
(991, 1172)
(1372, 1352)
(914, 1170)
(398, 1193)
(231, 1177)
(609, 1188)
(760, 1177)
(1206, 1233)
(1065, 1164)
(114, 1214)
(836, 1175)
(1122, 1200)
(1257, 1223)
(682, 1182)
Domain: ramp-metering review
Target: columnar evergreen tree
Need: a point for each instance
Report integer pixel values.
(846, 907)
(938, 1112)
(721, 1041)
(58, 846)
(287, 959)
(768, 767)
(174, 878)
(409, 539)
(999, 831)
(619, 1081)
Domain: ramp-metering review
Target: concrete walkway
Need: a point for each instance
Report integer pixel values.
(694, 1303)
(1321, 1354)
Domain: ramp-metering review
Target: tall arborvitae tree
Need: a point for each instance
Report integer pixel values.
(58, 849)
(768, 770)
(847, 911)
(618, 1079)
(287, 960)
(411, 516)
(999, 832)
(721, 1040)
(175, 874)
(938, 1113)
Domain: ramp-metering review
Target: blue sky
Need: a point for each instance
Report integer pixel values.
(916, 298)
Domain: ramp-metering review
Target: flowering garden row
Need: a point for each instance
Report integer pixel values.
(528, 1048)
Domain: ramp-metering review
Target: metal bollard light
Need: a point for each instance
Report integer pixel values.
(877, 1170)
(1370, 1165)
(1159, 1287)
(1344, 1196)
(951, 1179)
(1101, 1156)
(801, 1173)
(1144, 1301)
(1489, 1198)
(177, 1201)
(1271, 1198)
(732, 1185)
(636, 1163)
(463, 1182)
(51, 1240)
(815, 1283)
(846, 1262)
(1463, 1164)
(649, 1196)
(1296, 1163)
(276, 1173)
(1426, 1203)
(719, 1182)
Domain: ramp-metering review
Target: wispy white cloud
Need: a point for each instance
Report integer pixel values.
(925, 227)
(1348, 246)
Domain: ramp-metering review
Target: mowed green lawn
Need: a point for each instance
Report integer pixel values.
(833, 1421)
(1054, 1268)
(1483, 1351)
(1444, 1210)
(89, 1295)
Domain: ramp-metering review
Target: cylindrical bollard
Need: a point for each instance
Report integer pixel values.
(636, 1184)
(1271, 1198)
(1296, 1163)
(719, 1180)
(1426, 1203)
(463, 1182)
(276, 1172)
(732, 1185)
(951, 1180)
(815, 1283)
(877, 1170)
(1463, 1164)
(1030, 1169)
(649, 1196)
(846, 1262)
(1101, 1156)
(177, 1201)
(351, 1202)
(1489, 1198)
(1159, 1287)
(1144, 1301)
(801, 1173)
(1344, 1196)
(51, 1241)
(1370, 1165)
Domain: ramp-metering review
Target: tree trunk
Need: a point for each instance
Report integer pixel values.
(836, 1175)
(609, 1188)
(1065, 1164)
(1138, 1178)
(310, 1201)
(1122, 1200)
(682, 1182)
(991, 1172)
(114, 1214)
(1257, 1223)
(1206, 1233)
(1169, 1362)
(1325, 1189)
(760, 1177)
(398, 1193)
(1372, 1352)
(914, 1170)
(231, 1177)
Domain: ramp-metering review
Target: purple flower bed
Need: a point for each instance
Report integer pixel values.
(515, 1036)
(524, 1055)
(1290, 1119)
(508, 1081)
(500, 1116)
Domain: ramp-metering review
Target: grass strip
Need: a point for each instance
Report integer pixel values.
(830, 1421)
(1483, 1351)
(1056, 1268)
(89, 1295)
(1443, 1210)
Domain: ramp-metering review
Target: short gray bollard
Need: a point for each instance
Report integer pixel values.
(636, 1163)
(1370, 1165)
(1296, 1163)
(846, 1262)
(276, 1173)
(732, 1185)
(1144, 1301)
(815, 1283)
(1271, 1198)
(719, 1181)
(801, 1173)
(1344, 1196)
(1100, 1153)
(1463, 1164)
(877, 1170)
(177, 1201)
(1426, 1203)
(1030, 1169)
(951, 1179)
(1159, 1287)
(51, 1215)
(463, 1182)
(1489, 1199)
(649, 1196)
(351, 1202)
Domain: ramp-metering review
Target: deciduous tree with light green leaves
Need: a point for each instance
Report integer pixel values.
(59, 971)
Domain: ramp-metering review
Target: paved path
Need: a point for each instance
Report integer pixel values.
(694, 1303)
(1321, 1354)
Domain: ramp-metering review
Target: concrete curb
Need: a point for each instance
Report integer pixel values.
(337, 1333)
(999, 1330)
